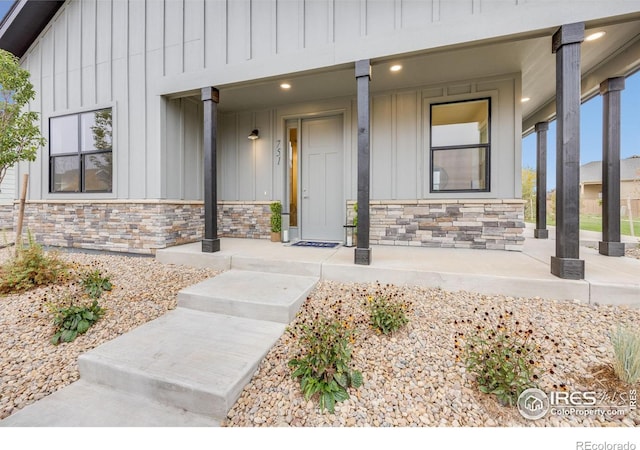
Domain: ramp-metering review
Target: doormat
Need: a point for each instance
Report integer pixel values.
(316, 244)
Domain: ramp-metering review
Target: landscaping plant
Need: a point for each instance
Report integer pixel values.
(276, 217)
(31, 267)
(626, 348)
(95, 284)
(20, 136)
(324, 365)
(501, 352)
(386, 313)
(73, 320)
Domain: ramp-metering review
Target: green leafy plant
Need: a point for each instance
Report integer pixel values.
(626, 348)
(73, 320)
(276, 217)
(95, 284)
(355, 218)
(502, 353)
(20, 136)
(31, 267)
(387, 314)
(324, 365)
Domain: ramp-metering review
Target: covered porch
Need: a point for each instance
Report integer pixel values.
(520, 274)
(549, 72)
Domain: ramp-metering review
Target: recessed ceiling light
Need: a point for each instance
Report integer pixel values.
(594, 36)
(395, 68)
(285, 86)
(525, 99)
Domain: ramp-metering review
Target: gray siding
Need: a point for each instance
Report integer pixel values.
(399, 143)
(129, 54)
(246, 167)
(8, 187)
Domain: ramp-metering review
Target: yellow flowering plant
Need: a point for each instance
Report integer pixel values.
(323, 366)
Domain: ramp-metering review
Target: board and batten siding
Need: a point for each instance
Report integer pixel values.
(8, 187)
(133, 55)
(399, 143)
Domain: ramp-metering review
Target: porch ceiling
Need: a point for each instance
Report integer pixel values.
(616, 54)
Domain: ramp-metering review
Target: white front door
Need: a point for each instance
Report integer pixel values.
(322, 197)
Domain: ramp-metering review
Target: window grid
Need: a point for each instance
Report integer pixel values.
(486, 147)
(81, 156)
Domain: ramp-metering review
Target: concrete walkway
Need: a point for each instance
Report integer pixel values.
(527, 273)
(186, 368)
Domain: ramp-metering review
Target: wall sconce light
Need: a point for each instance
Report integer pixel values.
(254, 135)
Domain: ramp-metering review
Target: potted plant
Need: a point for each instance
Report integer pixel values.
(276, 221)
(355, 224)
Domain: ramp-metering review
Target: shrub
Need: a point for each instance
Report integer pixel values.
(73, 320)
(95, 284)
(386, 314)
(276, 217)
(626, 348)
(502, 353)
(32, 267)
(324, 367)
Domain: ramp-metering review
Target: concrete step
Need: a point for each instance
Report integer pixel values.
(254, 295)
(191, 360)
(83, 404)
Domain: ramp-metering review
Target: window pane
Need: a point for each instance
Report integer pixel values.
(66, 174)
(464, 123)
(64, 135)
(97, 172)
(96, 130)
(459, 169)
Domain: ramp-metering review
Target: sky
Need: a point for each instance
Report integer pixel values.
(590, 127)
(591, 131)
(4, 7)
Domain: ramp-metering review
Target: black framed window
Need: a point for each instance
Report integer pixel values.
(461, 146)
(81, 152)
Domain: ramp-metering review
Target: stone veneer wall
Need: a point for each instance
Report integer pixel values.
(138, 226)
(471, 223)
(244, 219)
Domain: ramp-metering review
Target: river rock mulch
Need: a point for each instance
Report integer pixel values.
(633, 252)
(414, 378)
(32, 368)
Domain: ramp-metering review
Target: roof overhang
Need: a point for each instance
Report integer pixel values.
(24, 22)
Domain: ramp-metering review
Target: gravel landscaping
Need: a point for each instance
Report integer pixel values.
(412, 378)
(31, 367)
(633, 252)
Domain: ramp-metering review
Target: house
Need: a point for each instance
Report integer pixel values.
(414, 109)
(591, 186)
(7, 196)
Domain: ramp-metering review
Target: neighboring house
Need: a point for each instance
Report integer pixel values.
(591, 186)
(7, 195)
(119, 89)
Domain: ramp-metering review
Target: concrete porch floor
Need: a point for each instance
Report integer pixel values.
(608, 280)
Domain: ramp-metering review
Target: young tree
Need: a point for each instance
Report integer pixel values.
(20, 137)
(529, 191)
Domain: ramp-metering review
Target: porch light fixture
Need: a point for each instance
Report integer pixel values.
(594, 36)
(254, 135)
(285, 86)
(525, 99)
(395, 68)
